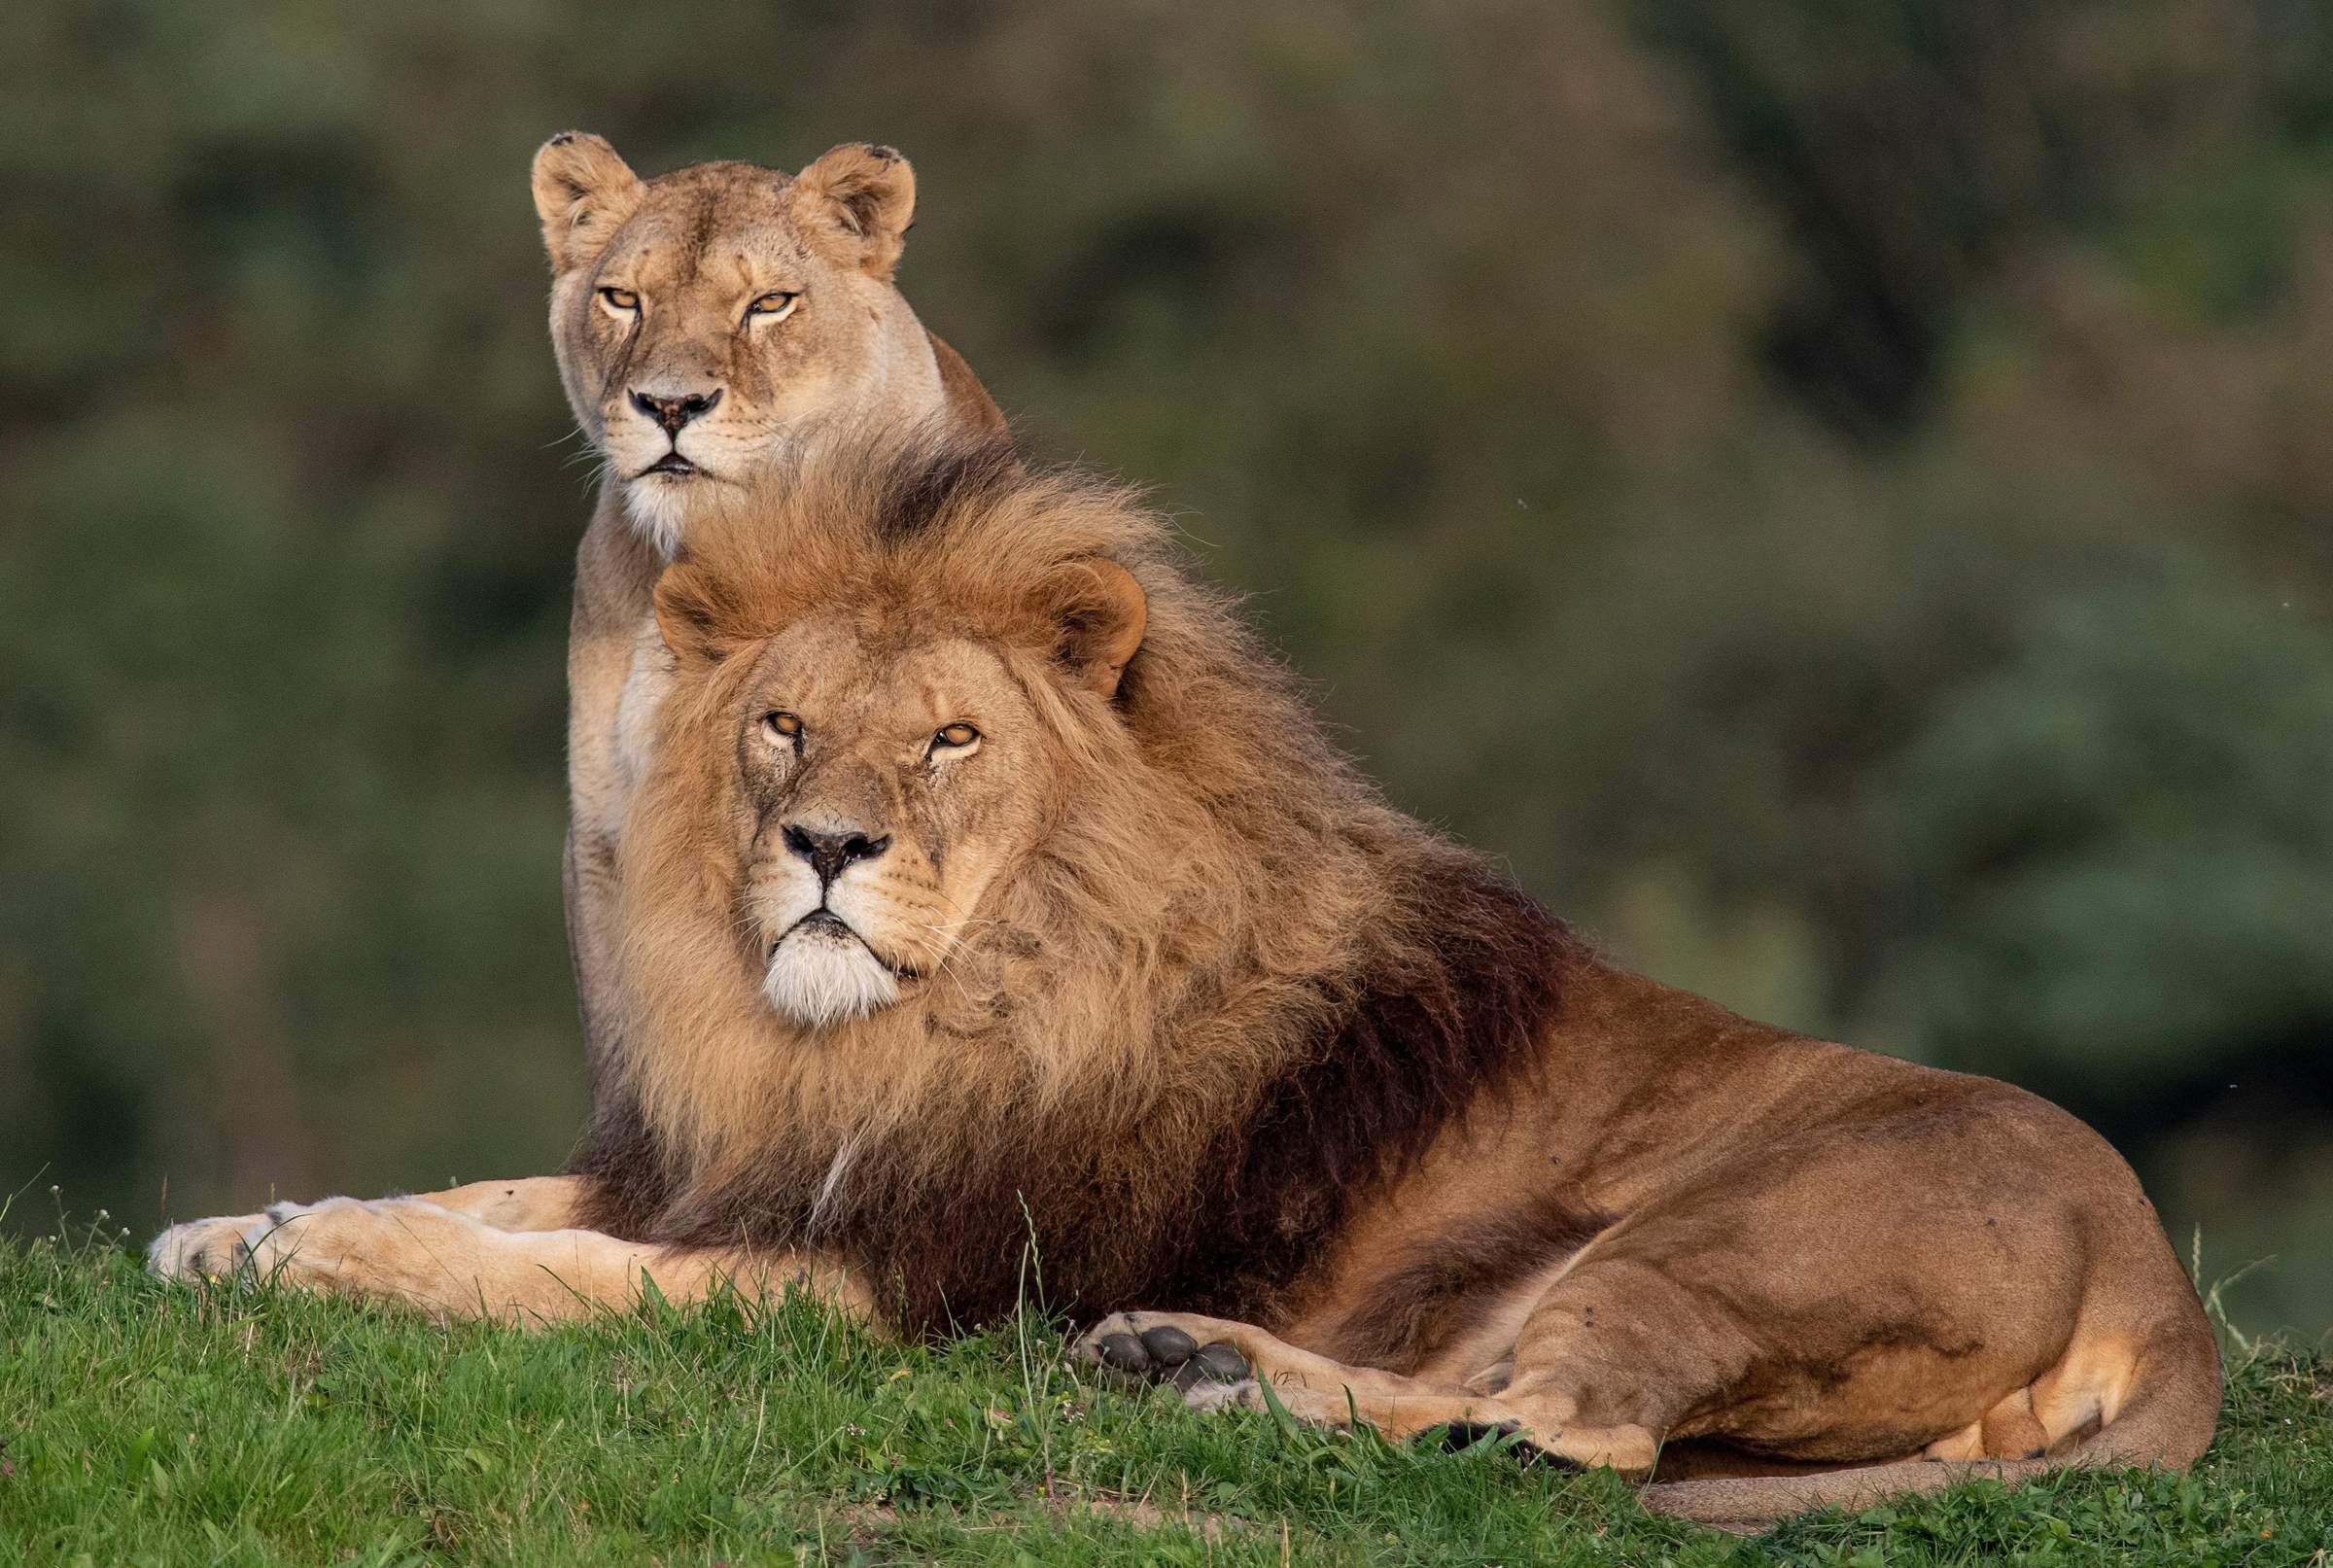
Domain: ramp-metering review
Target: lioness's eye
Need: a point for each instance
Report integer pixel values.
(954, 737)
(783, 726)
(775, 303)
(620, 300)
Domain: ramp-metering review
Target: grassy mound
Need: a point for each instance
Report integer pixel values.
(146, 1423)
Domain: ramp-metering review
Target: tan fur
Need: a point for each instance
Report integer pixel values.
(1807, 1277)
(447, 1263)
(529, 1204)
(696, 247)
(1133, 935)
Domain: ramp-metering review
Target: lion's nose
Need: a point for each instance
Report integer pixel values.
(671, 411)
(830, 852)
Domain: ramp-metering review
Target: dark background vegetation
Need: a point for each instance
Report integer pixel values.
(1835, 491)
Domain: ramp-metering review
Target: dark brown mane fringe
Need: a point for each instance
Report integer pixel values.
(1462, 1012)
(629, 1173)
(953, 474)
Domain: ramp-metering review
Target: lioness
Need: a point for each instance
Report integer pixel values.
(990, 885)
(707, 324)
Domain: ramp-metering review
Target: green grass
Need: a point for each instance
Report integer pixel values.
(157, 1424)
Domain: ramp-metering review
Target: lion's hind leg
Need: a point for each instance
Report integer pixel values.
(1645, 1334)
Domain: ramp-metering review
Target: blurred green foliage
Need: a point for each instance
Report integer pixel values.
(1837, 493)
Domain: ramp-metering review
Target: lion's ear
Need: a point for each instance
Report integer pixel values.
(868, 194)
(693, 617)
(583, 192)
(1101, 614)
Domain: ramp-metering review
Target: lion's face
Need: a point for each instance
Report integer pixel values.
(886, 789)
(708, 321)
(867, 770)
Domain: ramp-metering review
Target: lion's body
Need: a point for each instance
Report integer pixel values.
(1174, 995)
(694, 247)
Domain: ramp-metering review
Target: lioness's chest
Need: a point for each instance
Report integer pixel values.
(624, 746)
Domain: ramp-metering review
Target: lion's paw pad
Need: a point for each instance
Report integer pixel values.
(1166, 1354)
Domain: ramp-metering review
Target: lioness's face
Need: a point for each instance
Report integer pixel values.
(888, 790)
(707, 321)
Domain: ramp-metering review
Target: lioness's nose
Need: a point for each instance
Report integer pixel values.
(830, 850)
(672, 410)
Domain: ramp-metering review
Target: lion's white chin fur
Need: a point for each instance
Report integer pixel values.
(819, 978)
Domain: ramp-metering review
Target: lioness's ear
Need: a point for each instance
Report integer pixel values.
(582, 192)
(1101, 614)
(866, 192)
(692, 614)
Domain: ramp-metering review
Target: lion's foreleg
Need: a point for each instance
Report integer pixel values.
(1177, 1345)
(454, 1267)
(1217, 1362)
(526, 1203)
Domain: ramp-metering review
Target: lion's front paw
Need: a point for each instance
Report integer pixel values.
(1162, 1348)
(245, 1245)
(402, 1248)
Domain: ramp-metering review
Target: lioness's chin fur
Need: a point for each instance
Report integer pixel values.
(659, 508)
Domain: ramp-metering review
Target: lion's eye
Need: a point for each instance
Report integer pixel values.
(783, 726)
(623, 301)
(954, 737)
(770, 307)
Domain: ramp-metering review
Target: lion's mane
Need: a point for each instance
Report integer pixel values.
(1229, 990)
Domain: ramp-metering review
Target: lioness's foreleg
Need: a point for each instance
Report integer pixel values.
(452, 1265)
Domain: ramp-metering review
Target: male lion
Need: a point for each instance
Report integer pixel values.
(707, 324)
(991, 886)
